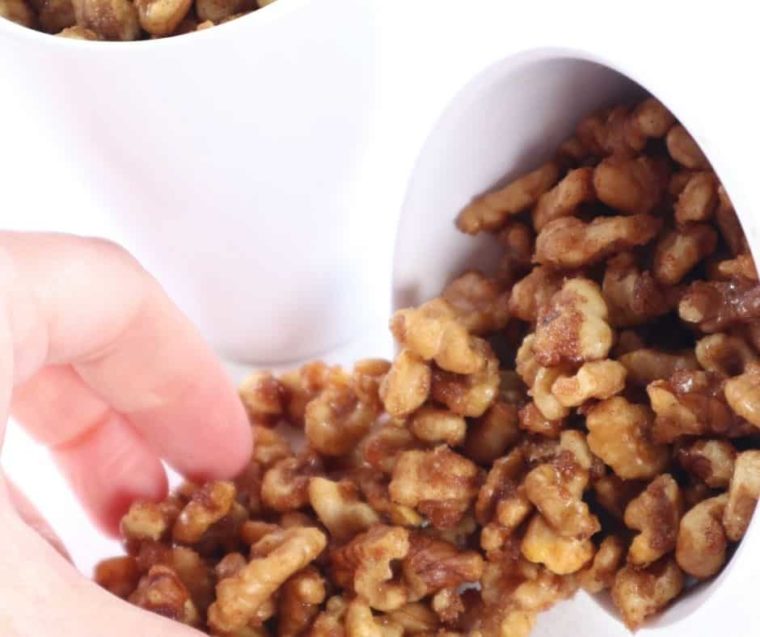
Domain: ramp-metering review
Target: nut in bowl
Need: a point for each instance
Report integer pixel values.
(582, 416)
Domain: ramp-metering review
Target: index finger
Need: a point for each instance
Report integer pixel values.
(87, 303)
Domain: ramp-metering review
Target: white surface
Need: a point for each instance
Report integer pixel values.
(701, 64)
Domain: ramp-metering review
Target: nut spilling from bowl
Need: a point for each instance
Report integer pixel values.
(587, 416)
(124, 19)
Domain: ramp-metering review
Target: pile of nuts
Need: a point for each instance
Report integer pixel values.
(586, 417)
(124, 20)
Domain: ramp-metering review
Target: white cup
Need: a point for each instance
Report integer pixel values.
(227, 161)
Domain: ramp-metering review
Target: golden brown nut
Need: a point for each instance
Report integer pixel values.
(743, 493)
(600, 574)
(502, 484)
(647, 365)
(438, 425)
(549, 406)
(118, 575)
(468, 395)
(710, 461)
(415, 618)
(162, 17)
(329, 623)
(573, 327)
(634, 185)
(284, 553)
(149, 520)
(562, 555)
(697, 200)
(533, 292)
(563, 200)
(18, 11)
(571, 243)
(299, 602)
(490, 212)
(701, 545)
(360, 622)
(338, 507)
(684, 149)
(725, 354)
(78, 33)
(656, 513)
(595, 379)
(479, 303)
(489, 436)
(161, 591)
(619, 435)
(743, 394)
(269, 447)
(285, 485)
(652, 119)
(381, 448)
(208, 505)
(304, 384)
(614, 131)
(263, 397)
(680, 250)
(638, 594)
(110, 19)
(742, 266)
(531, 420)
(407, 384)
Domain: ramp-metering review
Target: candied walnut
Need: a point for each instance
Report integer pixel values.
(304, 384)
(743, 394)
(571, 243)
(438, 425)
(562, 555)
(381, 448)
(274, 559)
(263, 397)
(162, 17)
(698, 198)
(595, 379)
(360, 622)
(479, 303)
(118, 575)
(231, 564)
(573, 327)
(516, 239)
(18, 11)
(725, 354)
(728, 224)
(572, 151)
(678, 251)
(526, 364)
(434, 332)
(533, 292)
(407, 384)
(438, 483)
(269, 447)
(489, 436)
(632, 185)
(491, 211)
(299, 601)
(701, 544)
(219, 10)
(651, 118)
(619, 435)
(684, 149)
(432, 565)
(541, 391)
(110, 19)
(640, 593)
(501, 492)
(741, 266)
(78, 33)
(533, 421)
(365, 565)
(647, 365)
(161, 591)
(208, 505)
(614, 131)
(743, 493)
(600, 574)
(633, 297)
(692, 404)
(366, 378)
(468, 395)
(329, 623)
(656, 513)
(338, 507)
(715, 305)
(149, 520)
(336, 420)
(415, 618)
(563, 200)
(614, 494)
(710, 461)
(285, 485)
(447, 605)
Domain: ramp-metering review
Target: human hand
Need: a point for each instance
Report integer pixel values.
(99, 365)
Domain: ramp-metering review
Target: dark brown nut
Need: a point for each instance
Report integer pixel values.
(438, 425)
(656, 513)
(724, 354)
(531, 420)
(516, 239)
(678, 181)
(571, 243)
(619, 434)
(614, 494)
(274, 559)
(489, 436)
(118, 575)
(563, 200)
(263, 397)
(652, 119)
(600, 575)
(53, 16)
(614, 131)
(701, 545)
(634, 185)
(468, 395)
(364, 566)
(285, 485)
(338, 507)
(572, 151)
(640, 593)
(679, 251)
(439, 483)
(299, 602)
(208, 505)
(534, 292)
(491, 211)
(479, 303)
(161, 591)
(502, 484)
(743, 394)
(684, 149)
(595, 379)
(742, 266)
(697, 200)
(381, 448)
(743, 493)
(407, 384)
(728, 223)
(432, 565)
(219, 10)
(110, 19)
(573, 327)
(562, 555)
(710, 461)
(18, 11)
(647, 365)
(78, 33)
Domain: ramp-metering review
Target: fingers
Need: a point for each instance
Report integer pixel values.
(88, 304)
